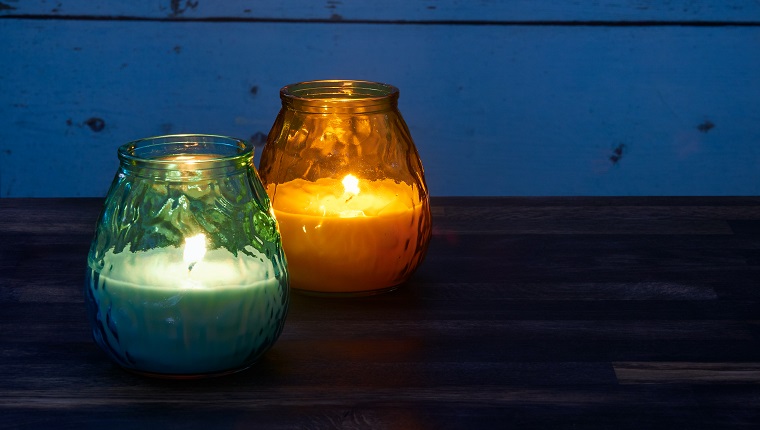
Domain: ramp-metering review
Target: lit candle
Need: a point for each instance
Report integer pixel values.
(349, 235)
(186, 310)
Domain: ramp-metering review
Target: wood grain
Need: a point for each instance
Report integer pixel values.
(535, 326)
(675, 373)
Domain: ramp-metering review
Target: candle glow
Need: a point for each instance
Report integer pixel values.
(184, 323)
(351, 184)
(186, 274)
(195, 249)
(347, 235)
(347, 187)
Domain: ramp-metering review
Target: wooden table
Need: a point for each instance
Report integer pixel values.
(608, 313)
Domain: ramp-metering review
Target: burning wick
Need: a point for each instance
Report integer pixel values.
(350, 186)
(195, 249)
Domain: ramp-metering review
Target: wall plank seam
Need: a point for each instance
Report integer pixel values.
(506, 23)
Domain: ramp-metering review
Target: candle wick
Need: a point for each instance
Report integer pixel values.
(190, 266)
(349, 199)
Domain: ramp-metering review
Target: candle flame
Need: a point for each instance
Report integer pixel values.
(351, 189)
(195, 249)
(351, 184)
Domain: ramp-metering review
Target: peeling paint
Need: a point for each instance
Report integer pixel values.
(617, 153)
(178, 9)
(95, 124)
(706, 126)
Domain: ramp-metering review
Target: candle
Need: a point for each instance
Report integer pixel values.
(349, 235)
(186, 310)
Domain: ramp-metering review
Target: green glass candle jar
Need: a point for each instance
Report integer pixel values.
(186, 274)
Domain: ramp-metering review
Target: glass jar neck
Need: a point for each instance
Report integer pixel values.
(339, 96)
(186, 157)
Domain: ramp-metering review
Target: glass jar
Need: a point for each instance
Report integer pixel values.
(347, 188)
(186, 274)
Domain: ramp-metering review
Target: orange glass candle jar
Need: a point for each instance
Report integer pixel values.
(347, 188)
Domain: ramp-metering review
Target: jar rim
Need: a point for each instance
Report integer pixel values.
(166, 152)
(332, 93)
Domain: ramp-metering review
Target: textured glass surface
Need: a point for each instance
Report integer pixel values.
(347, 187)
(186, 273)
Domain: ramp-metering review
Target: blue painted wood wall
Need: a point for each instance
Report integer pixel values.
(522, 97)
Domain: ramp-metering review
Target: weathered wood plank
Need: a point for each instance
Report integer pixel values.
(536, 331)
(494, 110)
(404, 410)
(50, 292)
(679, 373)
(401, 10)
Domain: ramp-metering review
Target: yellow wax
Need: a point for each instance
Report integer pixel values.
(339, 242)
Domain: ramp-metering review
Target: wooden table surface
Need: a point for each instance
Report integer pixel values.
(602, 313)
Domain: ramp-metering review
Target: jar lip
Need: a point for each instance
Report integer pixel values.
(202, 151)
(339, 91)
